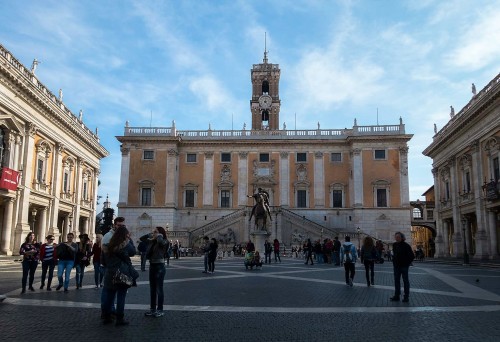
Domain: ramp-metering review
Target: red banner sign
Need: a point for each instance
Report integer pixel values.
(9, 179)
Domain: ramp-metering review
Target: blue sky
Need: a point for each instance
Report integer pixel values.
(151, 62)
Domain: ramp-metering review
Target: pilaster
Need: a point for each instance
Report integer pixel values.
(208, 179)
(124, 177)
(284, 179)
(319, 180)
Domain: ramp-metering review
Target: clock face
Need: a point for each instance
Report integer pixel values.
(265, 101)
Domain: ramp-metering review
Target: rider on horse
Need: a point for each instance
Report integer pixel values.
(261, 195)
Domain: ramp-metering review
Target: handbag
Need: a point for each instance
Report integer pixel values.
(122, 279)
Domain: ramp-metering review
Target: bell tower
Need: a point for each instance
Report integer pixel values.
(265, 103)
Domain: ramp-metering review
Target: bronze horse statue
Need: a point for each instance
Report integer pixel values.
(260, 212)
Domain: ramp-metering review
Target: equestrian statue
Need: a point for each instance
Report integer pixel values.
(260, 209)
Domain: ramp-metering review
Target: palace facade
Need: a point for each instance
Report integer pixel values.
(465, 155)
(49, 161)
(321, 182)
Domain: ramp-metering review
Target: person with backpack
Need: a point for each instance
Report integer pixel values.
(368, 256)
(156, 252)
(348, 257)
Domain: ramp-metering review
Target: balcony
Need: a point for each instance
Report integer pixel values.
(67, 196)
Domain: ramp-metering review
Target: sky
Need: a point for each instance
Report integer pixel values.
(152, 62)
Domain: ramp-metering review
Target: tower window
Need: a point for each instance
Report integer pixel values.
(265, 115)
(265, 87)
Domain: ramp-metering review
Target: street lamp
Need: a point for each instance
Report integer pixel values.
(358, 230)
(466, 255)
(33, 214)
(70, 220)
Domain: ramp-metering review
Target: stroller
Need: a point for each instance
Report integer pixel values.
(252, 259)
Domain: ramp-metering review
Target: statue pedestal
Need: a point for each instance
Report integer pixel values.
(258, 239)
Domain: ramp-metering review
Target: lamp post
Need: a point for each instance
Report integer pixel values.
(358, 230)
(70, 220)
(33, 214)
(466, 255)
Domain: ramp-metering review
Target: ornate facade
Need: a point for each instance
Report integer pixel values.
(465, 154)
(49, 161)
(321, 182)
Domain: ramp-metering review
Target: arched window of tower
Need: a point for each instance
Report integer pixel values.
(265, 115)
(265, 87)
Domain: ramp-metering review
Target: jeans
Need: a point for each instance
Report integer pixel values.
(48, 265)
(267, 257)
(350, 270)
(205, 262)
(319, 258)
(336, 258)
(143, 261)
(98, 273)
(64, 266)
(369, 270)
(309, 257)
(29, 267)
(277, 256)
(80, 271)
(156, 278)
(398, 272)
(108, 297)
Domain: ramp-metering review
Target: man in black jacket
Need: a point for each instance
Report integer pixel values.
(402, 258)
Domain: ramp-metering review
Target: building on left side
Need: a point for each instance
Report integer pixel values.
(49, 161)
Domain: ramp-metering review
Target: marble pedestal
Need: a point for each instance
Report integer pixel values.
(258, 238)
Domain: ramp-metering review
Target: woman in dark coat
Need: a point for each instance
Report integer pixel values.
(157, 247)
(212, 255)
(117, 255)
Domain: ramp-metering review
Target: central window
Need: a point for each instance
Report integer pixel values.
(189, 199)
(225, 157)
(301, 199)
(381, 198)
(191, 158)
(301, 157)
(379, 154)
(225, 199)
(146, 197)
(264, 157)
(149, 155)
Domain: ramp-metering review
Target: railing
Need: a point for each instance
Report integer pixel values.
(207, 228)
(318, 227)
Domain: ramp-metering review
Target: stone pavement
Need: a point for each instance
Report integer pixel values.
(288, 301)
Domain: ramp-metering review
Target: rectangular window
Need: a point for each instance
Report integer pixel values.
(191, 158)
(146, 196)
(301, 157)
(66, 182)
(301, 199)
(224, 199)
(447, 190)
(496, 169)
(430, 214)
(379, 154)
(39, 171)
(381, 198)
(467, 182)
(189, 198)
(337, 198)
(264, 157)
(149, 155)
(225, 157)
(336, 157)
(84, 192)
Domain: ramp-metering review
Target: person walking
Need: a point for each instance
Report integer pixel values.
(117, 256)
(142, 248)
(157, 247)
(96, 260)
(205, 247)
(212, 255)
(268, 249)
(348, 257)
(276, 245)
(82, 258)
(368, 256)
(66, 253)
(309, 252)
(31, 253)
(401, 260)
(48, 258)
(336, 251)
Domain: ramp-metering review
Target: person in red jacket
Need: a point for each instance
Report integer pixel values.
(49, 259)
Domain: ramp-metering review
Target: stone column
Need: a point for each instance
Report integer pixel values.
(403, 181)
(7, 226)
(457, 240)
(78, 196)
(357, 166)
(23, 227)
(482, 243)
(492, 225)
(439, 242)
(446, 238)
(56, 190)
(208, 180)
(171, 181)
(242, 179)
(42, 224)
(319, 180)
(284, 179)
(124, 177)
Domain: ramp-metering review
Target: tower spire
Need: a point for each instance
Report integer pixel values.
(265, 48)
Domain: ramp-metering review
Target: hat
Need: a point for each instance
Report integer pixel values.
(50, 237)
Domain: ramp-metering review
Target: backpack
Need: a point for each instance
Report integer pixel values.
(348, 254)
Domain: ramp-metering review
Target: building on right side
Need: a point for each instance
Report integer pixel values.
(465, 158)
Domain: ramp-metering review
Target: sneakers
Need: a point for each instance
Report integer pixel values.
(58, 287)
(394, 299)
(31, 289)
(42, 286)
(158, 313)
(405, 300)
(350, 282)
